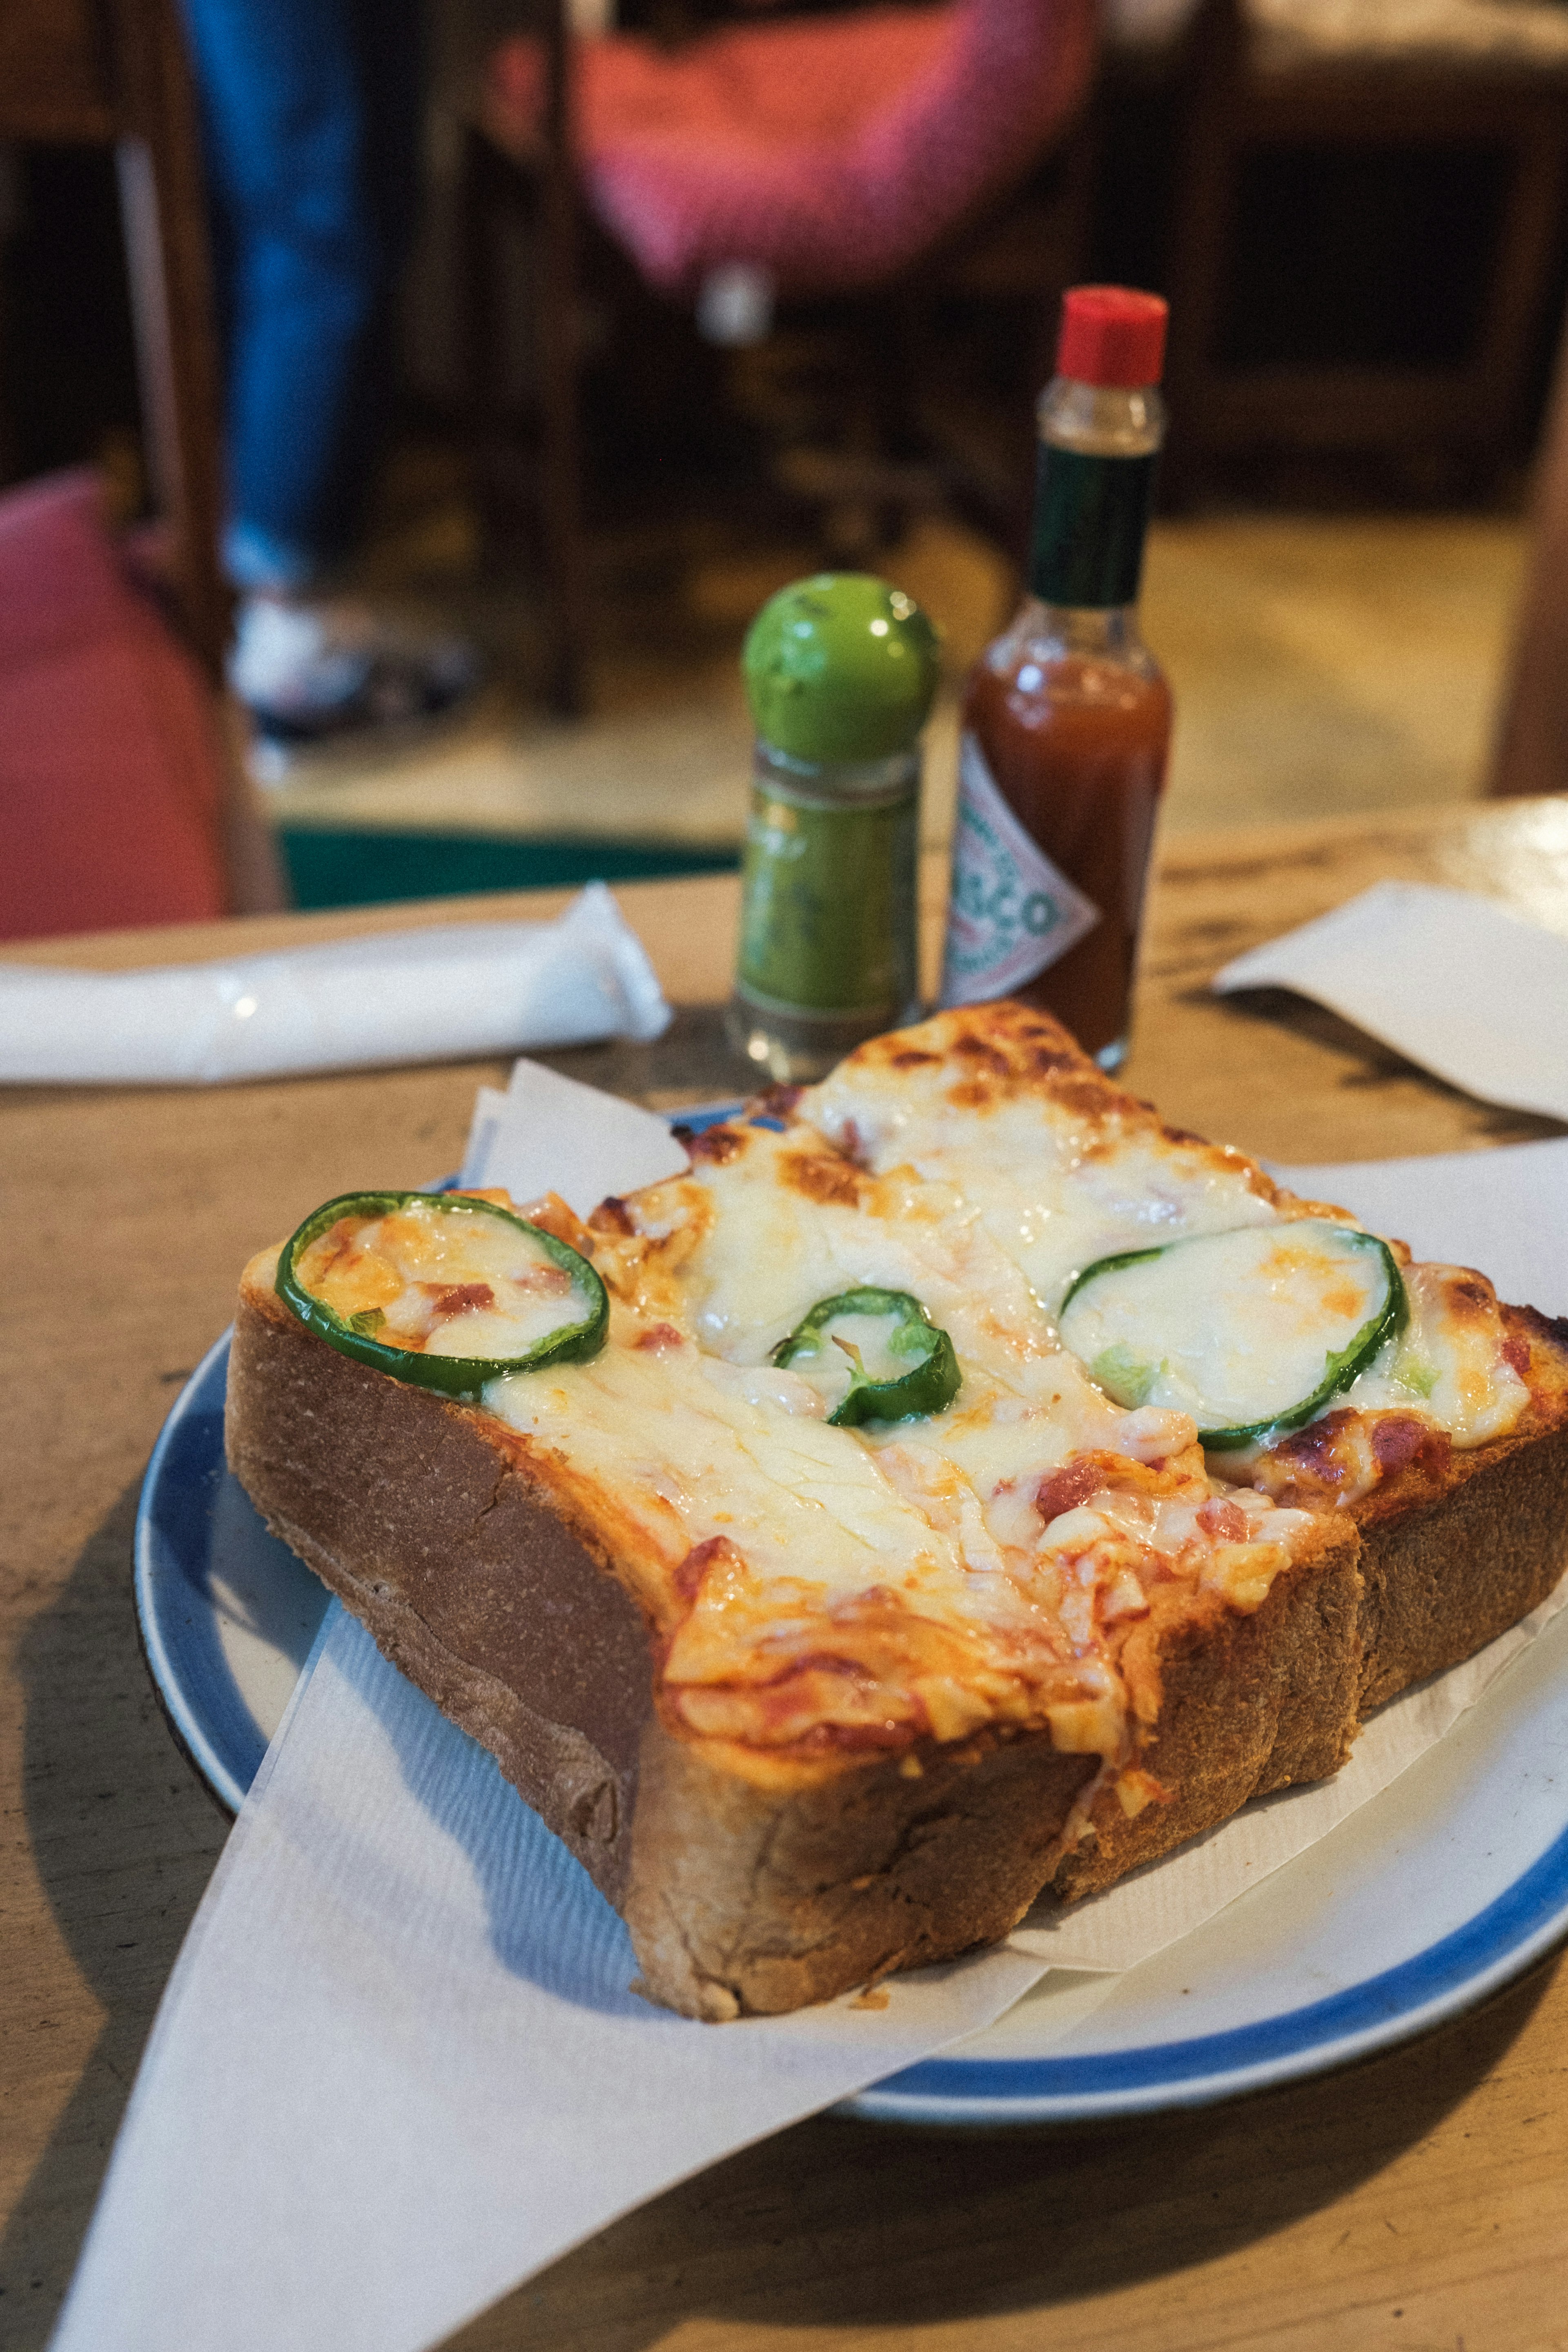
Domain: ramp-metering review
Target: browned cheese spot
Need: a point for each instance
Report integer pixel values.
(716, 1146)
(1469, 1300)
(1086, 1095)
(1314, 1445)
(612, 1216)
(689, 1576)
(984, 1056)
(821, 1177)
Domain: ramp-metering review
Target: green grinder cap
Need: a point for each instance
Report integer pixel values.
(840, 666)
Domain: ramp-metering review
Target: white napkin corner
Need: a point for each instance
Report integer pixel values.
(1456, 982)
(550, 1134)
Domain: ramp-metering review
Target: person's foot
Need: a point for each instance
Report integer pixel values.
(309, 672)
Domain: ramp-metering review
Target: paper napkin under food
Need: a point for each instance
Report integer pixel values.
(454, 991)
(540, 1136)
(400, 2064)
(1453, 981)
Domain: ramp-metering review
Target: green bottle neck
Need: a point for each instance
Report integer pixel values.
(1091, 516)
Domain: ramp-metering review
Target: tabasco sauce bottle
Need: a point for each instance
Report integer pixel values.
(1066, 719)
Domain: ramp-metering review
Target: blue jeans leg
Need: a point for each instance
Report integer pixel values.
(311, 123)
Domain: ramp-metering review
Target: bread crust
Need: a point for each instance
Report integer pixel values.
(1247, 1704)
(422, 1521)
(747, 1900)
(1444, 1577)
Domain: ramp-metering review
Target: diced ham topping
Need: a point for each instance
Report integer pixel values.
(450, 1298)
(1398, 1438)
(1064, 1489)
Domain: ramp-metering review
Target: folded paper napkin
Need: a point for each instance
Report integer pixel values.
(400, 2064)
(548, 1134)
(456, 992)
(1451, 981)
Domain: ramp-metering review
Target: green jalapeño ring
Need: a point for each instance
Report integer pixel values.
(1138, 1319)
(455, 1376)
(928, 1385)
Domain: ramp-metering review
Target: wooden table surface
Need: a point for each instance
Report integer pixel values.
(1419, 2202)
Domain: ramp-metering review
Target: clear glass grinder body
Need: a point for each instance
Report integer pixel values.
(840, 671)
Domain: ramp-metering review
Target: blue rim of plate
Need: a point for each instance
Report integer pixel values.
(1455, 1972)
(1460, 1970)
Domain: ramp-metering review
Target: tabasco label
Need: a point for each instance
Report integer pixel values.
(1012, 913)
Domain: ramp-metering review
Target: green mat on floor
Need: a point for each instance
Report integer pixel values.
(367, 869)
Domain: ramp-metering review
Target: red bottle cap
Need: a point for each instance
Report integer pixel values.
(1112, 335)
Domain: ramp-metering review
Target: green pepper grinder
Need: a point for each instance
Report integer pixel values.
(840, 671)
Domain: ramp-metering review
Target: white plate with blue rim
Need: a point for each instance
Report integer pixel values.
(1425, 1902)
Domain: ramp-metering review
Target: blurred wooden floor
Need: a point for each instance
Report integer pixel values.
(1322, 665)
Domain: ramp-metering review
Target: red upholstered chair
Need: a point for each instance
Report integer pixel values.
(121, 803)
(831, 153)
(110, 762)
(828, 150)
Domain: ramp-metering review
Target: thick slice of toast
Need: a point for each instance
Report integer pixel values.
(587, 1589)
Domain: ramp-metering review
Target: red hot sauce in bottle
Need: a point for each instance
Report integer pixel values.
(1066, 719)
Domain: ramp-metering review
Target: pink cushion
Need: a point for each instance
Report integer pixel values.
(109, 756)
(831, 151)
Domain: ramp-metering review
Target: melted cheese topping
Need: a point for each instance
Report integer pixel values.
(1056, 1184)
(1063, 1172)
(1449, 1366)
(823, 1588)
(772, 1547)
(867, 1586)
(442, 1282)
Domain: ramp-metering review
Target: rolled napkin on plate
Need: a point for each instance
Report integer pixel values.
(456, 992)
(1449, 980)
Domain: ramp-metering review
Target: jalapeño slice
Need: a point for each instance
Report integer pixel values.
(580, 1333)
(900, 1364)
(1250, 1331)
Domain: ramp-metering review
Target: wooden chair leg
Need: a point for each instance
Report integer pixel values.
(163, 204)
(565, 551)
(1211, 68)
(492, 191)
(484, 204)
(164, 209)
(254, 871)
(1531, 754)
(1526, 240)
